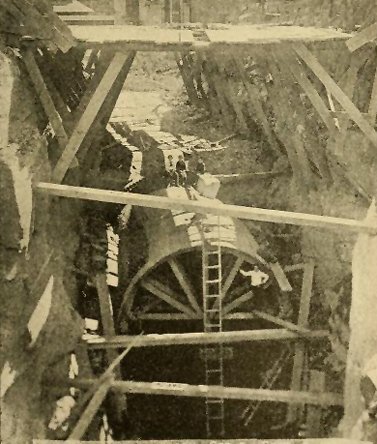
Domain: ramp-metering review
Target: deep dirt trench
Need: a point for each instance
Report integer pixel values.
(34, 226)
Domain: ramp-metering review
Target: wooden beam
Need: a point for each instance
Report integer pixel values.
(372, 110)
(232, 275)
(166, 317)
(187, 78)
(91, 409)
(88, 117)
(105, 304)
(317, 384)
(215, 81)
(205, 391)
(207, 207)
(303, 317)
(184, 281)
(280, 276)
(45, 98)
(215, 441)
(237, 302)
(160, 340)
(255, 104)
(164, 293)
(367, 35)
(281, 322)
(336, 91)
(229, 90)
(312, 94)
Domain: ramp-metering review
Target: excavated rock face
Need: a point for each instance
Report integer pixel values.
(39, 326)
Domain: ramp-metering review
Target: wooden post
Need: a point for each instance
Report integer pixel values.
(255, 104)
(107, 320)
(313, 420)
(187, 78)
(303, 317)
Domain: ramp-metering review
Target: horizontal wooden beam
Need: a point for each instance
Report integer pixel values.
(213, 441)
(207, 207)
(367, 35)
(206, 391)
(158, 340)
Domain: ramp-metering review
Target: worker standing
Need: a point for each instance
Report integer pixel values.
(200, 166)
(181, 170)
(171, 172)
(257, 277)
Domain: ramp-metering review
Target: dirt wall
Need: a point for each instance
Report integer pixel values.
(39, 326)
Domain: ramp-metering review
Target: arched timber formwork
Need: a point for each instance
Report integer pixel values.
(172, 235)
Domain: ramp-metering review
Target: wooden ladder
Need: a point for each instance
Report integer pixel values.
(212, 315)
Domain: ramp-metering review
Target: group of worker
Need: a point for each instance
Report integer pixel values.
(176, 172)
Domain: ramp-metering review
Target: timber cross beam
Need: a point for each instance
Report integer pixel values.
(207, 207)
(160, 340)
(215, 391)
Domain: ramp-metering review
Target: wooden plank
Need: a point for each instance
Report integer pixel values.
(372, 110)
(215, 82)
(187, 79)
(310, 91)
(166, 339)
(205, 391)
(184, 281)
(216, 441)
(255, 105)
(165, 294)
(280, 276)
(303, 317)
(363, 37)
(91, 409)
(314, 414)
(231, 276)
(237, 302)
(207, 207)
(103, 116)
(281, 322)
(86, 120)
(105, 304)
(336, 91)
(45, 98)
(229, 91)
(165, 317)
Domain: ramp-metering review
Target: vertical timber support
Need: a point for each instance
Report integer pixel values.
(303, 317)
(107, 320)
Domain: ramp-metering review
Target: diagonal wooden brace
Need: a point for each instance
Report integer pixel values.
(88, 117)
(337, 92)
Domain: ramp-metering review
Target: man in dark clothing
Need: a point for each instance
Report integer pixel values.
(171, 173)
(200, 167)
(181, 171)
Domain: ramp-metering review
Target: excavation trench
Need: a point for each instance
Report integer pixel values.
(54, 247)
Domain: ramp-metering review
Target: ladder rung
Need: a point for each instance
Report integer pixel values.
(212, 310)
(213, 266)
(213, 370)
(212, 296)
(213, 281)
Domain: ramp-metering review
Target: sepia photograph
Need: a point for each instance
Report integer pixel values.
(188, 221)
